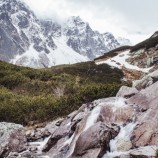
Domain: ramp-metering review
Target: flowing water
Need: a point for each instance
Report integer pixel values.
(124, 134)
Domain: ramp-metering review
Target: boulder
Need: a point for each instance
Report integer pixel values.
(62, 131)
(146, 132)
(35, 134)
(124, 145)
(146, 81)
(115, 110)
(12, 138)
(143, 83)
(126, 92)
(143, 152)
(97, 141)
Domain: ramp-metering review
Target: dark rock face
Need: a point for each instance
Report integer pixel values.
(85, 41)
(19, 30)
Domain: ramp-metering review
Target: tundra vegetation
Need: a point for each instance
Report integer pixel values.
(45, 94)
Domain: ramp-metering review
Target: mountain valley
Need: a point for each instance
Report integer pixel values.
(68, 91)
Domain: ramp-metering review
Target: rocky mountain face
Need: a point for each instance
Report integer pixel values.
(121, 126)
(28, 41)
(124, 41)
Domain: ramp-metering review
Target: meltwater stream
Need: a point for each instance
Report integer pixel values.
(124, 134)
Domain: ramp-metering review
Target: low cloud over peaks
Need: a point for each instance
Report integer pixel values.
(134, 19)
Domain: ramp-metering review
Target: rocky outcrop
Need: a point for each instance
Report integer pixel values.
(146, 81)
(121, 126)
(97, 141)
(126, 92)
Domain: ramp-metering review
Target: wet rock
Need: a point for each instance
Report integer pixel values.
(124, 145)
(28, 155)
(61, 132)
(40, 133)
(37, 134)
(97, 139)
(115, 110)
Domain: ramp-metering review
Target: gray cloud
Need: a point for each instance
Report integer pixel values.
(140, 13)
(135, 19)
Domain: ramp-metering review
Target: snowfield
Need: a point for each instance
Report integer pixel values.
(62, 55)
(120, 60)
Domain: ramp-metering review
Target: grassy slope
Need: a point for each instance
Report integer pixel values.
(32, 94)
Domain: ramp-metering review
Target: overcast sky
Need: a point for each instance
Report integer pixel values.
(132, 19)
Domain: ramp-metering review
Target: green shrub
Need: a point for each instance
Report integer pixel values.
(30, 94)
(12, 80)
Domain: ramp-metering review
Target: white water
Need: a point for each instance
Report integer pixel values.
(69, 140)
(91, 120)
(117, 104)
(113, 154)
(93, 117)
(40, 145)
(124, 134)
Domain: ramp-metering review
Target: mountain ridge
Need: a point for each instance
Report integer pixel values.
(143, 56)
(25, 37)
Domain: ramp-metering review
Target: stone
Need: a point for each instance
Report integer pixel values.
(126, 92)
(97, 139)
(146, 132)
(143, 83)
(146, 81)
(143, 152)
(124, 145)
(12, 138)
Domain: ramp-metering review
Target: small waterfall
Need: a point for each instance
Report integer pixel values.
(93, 117)
(124, 134)
(91, 120)
(40, 145)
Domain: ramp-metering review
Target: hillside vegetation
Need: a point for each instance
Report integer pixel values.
(44, 94)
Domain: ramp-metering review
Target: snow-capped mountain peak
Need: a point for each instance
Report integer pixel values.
(123, 41)
(28, 41)
(110, 41)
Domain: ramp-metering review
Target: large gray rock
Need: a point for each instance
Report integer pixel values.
(12, 138)
(146, 132)
(146, 81)
(126, 92)
(97, 141)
